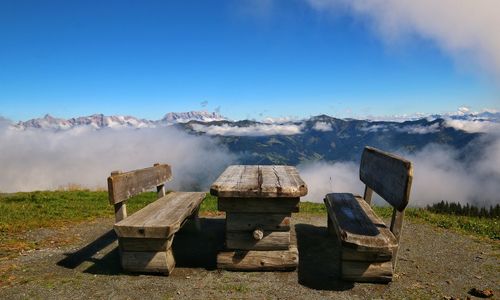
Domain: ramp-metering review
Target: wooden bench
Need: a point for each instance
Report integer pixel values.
(368, 247)
(145, 238)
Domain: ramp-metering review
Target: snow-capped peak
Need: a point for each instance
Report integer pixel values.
(98, 121)
(184, 117)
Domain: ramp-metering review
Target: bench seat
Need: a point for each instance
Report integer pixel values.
(367, 244)
(358, 225)
(162, 218)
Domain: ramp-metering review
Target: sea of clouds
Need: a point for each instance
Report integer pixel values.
(35, 159)
(440, 172)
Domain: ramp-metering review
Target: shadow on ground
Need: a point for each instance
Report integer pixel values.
(192, 249)
(319, 259)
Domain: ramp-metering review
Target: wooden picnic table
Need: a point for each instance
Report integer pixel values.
(258, 201)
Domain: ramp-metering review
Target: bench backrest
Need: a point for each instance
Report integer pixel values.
(388, 175)
(122, 186)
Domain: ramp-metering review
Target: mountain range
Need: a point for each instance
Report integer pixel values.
(291, 142)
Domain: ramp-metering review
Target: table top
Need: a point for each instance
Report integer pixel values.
(255, 181)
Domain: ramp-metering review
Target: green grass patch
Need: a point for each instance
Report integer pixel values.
(209, 204)
(25, 211)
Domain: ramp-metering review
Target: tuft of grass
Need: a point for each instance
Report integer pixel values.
(209, 204)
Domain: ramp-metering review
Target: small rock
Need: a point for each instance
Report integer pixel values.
(187, 277)
(448, 281)
(487, 293)
(478, 277)
(178, 292)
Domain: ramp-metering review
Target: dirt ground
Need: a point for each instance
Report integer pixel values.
(82, 262)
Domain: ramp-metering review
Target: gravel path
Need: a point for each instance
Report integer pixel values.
(82, 263)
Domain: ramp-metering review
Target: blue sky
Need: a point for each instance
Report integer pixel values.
(248, 59)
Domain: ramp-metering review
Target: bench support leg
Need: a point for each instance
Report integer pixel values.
(120, 211)
(368, 195)
(396, 229)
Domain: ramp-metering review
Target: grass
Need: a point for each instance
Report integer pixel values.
(21, 212)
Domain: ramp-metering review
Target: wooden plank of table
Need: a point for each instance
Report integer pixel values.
(162, 218)
(259, 205)
(237, 178)
(244, 240)
(251, 221)
(282, 181)
(240, 181)
(281, 260)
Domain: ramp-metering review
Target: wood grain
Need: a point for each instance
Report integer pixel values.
(156, 262)
(388, 175)
(283, 260)
(250, 221)
(367, 271)
(244, 240)
(258, 205)
(257, 181)
(162, 218)
(144, 244)
(358, 226)
(368, 256)
(122, 186)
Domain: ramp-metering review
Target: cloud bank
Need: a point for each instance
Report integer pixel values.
(475, 126)
(44, 159)
(440, 173)
(467, 30)
(253, 130)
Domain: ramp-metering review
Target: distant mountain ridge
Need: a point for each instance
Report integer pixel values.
(99, 121)
(291, 142)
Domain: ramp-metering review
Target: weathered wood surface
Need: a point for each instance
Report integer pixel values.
(367, 271)
(258, 205)
(162, 218)
(283, 260)
(144, 244)
(120, 211)
(368, 256)
(240, 181)
(358, 226)
(250, 221)
(388, 175)
(122, 186)
(244, 240)
(157, 262)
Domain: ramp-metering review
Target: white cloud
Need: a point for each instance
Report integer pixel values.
(467, 30)
(42, 159)
(439, 174)
(419, 129)
(323, 178)
(410, 129)
(280, 120)
(474, 126)
(253, 130)
(322, 126)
